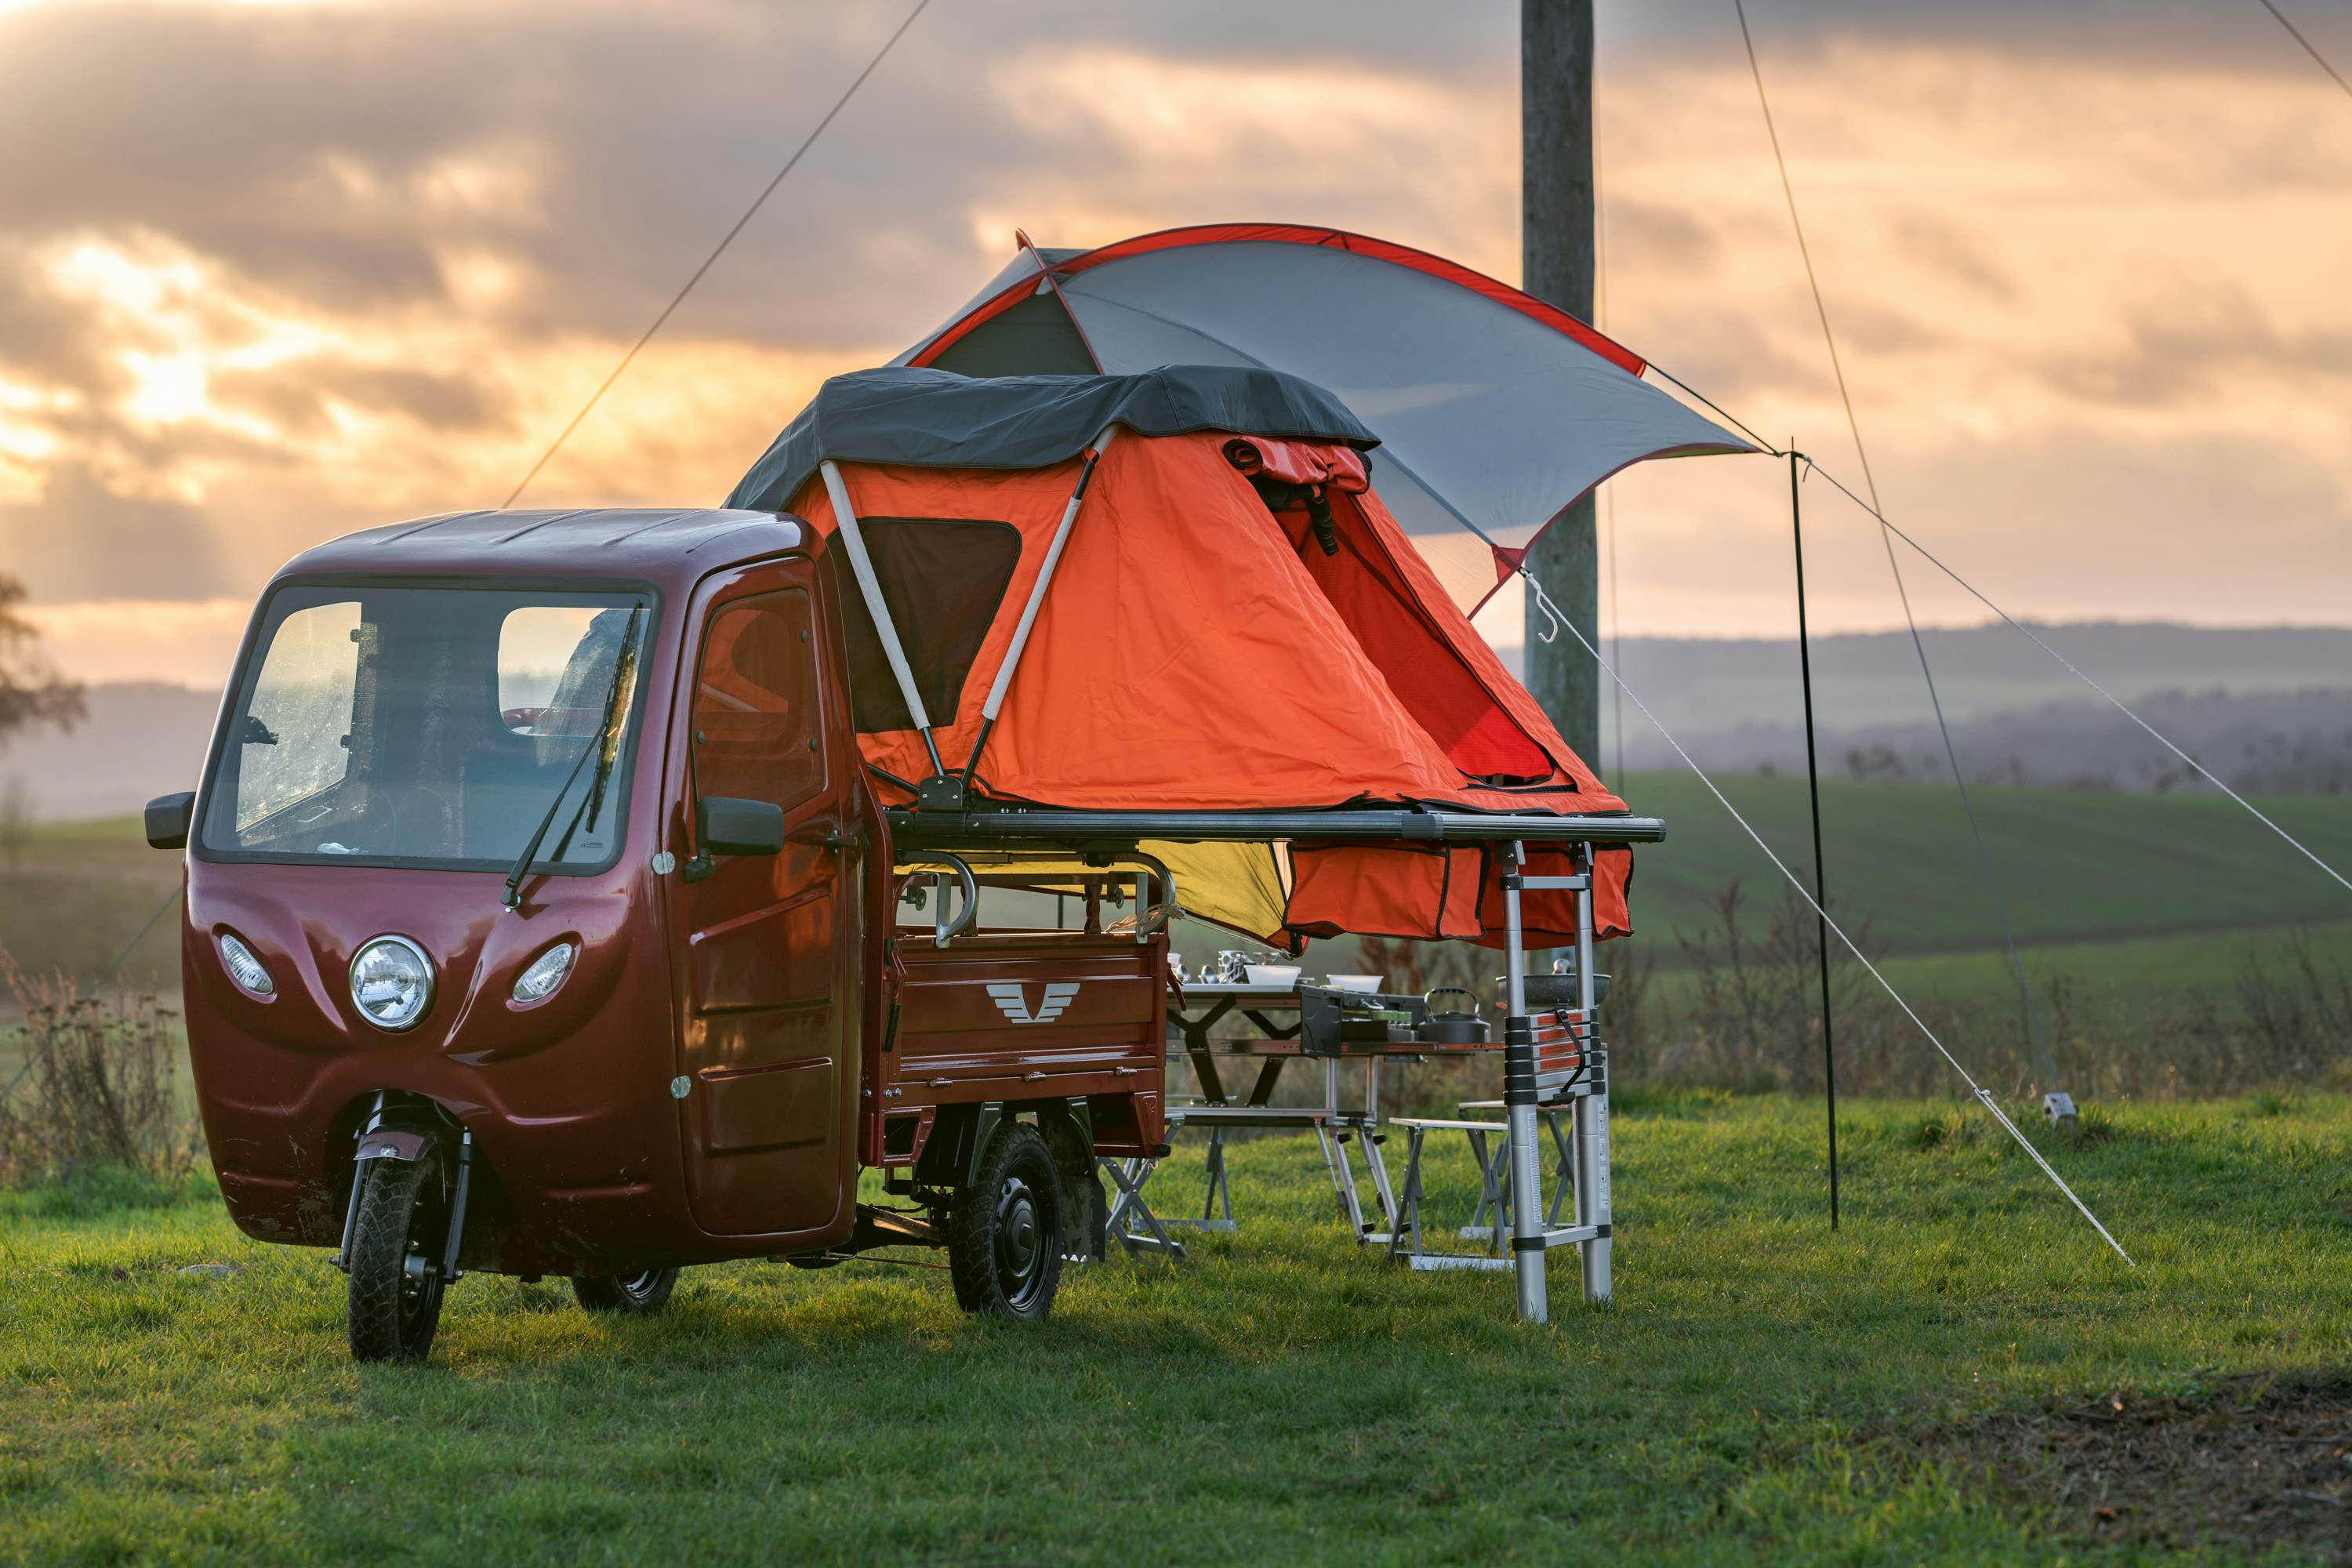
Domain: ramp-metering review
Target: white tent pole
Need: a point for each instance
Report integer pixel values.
(997, 688)
(861, 566)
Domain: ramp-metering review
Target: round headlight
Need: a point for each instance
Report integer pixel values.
(546, 972)
(244, 968)
(392, 982)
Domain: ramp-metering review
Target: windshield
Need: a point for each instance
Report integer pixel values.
(430, 726)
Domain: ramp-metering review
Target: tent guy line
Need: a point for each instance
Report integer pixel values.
(716, 252)
(1983, 1095)
(2036, 1040)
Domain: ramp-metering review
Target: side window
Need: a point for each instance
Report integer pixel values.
(290, 735)
(756, 730)
(544, 650)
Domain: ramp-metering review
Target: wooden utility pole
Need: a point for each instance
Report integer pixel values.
(1556, 243)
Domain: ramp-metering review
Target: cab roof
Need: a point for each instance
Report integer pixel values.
(662, 544)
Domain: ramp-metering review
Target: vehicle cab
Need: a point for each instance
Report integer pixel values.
(532, 856)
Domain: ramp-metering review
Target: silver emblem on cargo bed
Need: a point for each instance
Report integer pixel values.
(1006, 995)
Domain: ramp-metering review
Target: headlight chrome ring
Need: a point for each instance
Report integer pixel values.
(392, 982)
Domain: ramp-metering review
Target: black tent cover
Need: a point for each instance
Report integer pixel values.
(938, 419)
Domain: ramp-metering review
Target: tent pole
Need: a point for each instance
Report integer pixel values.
(869, 587)
(1813, 790)
(1046, 272)
(997, 688)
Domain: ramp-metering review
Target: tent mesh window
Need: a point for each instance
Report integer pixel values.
(943, 580)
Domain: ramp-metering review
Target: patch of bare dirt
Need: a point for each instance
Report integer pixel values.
(2259, 1463)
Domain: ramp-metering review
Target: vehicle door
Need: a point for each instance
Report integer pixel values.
(768, 1039)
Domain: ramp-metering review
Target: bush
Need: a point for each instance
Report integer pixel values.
(98, 1093)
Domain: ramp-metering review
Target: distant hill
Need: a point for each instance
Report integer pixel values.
(2268, 743)
(2267, 709)
(1707, 684)
(142, 738)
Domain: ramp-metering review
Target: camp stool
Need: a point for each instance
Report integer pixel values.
(1332, 1131)
(1217, 1197)
(1404, 1239)
(1494, 1208)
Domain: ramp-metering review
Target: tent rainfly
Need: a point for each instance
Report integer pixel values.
(1496, 411)
(1177, 590)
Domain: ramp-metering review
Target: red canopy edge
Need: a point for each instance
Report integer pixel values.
(1452, 272)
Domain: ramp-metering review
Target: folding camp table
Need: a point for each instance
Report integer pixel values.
(1200, 1006)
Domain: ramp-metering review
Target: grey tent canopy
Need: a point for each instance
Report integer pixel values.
(1496, 411)
(904, 416)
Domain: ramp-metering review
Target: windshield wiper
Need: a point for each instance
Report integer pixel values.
(623, 658)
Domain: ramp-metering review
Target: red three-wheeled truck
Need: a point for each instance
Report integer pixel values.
(547, 882)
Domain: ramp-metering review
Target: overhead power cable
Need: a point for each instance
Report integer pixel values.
(716, 252)
(1982, 1095)
(2027, 632)
(2034, 1038)
(2296, 34)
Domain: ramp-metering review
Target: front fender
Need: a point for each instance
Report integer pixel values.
(408, 1144)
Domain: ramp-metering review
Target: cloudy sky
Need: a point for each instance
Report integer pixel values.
(269, 272)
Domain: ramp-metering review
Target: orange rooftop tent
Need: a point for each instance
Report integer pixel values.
(1180, 591)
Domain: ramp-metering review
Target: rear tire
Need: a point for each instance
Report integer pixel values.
(638, 1295)
(396, 1259)
(1004, 1229)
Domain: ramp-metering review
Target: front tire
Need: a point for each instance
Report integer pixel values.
(395, 1265)
(1004, 1229)
(638, 1295)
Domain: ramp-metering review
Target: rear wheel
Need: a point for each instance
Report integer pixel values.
(395, 1262)
(641, 1294)
(1004, 1228)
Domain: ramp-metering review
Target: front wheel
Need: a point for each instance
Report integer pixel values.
(396, 1263)
(1004, 1228)
(640, 1295)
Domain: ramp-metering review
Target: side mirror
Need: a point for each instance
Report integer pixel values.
(726, 825)
(168, 817)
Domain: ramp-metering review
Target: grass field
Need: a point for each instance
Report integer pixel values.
(1760, 1390)
(2074, 867)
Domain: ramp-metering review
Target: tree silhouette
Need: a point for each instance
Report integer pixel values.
(31, 690)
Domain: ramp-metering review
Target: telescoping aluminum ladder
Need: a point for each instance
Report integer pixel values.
(1532, 1237)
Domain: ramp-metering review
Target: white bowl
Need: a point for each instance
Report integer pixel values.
(1356, 982)
(1271, 974)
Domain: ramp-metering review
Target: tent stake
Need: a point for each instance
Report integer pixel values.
(1813, 790)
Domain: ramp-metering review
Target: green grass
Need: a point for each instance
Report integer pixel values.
(2073, 865)
(2120, 975)
(74, 894)
(1281, 1398)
